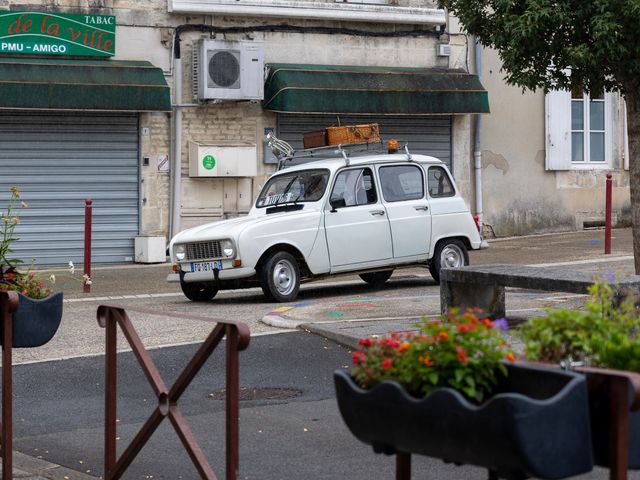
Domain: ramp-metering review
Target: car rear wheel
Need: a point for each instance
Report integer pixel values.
(450, 253)
(280, 277)
(198, 292)
(376, 278)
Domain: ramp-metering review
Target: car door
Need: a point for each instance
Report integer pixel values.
(407, 208)
(356, 225)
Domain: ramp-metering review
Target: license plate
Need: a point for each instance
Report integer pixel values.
(206, 266)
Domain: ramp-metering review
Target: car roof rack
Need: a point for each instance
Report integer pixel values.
(284, 152)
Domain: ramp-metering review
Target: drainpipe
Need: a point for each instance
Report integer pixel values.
(177, 144)
(477, 152)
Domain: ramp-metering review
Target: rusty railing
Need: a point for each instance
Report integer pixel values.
(237, 339)
(8, 305)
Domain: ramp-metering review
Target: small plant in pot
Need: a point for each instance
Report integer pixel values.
(453, 390)
(39, 311)
(604, 334)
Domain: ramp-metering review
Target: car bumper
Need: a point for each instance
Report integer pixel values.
(484, 244)
(231, 274)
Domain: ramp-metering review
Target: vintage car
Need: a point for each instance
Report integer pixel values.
(367, 215)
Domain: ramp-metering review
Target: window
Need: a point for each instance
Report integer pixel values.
(439, 183)
(401, 182)
(301, 186)
(579, 130)
(587, 128)
(353, 187)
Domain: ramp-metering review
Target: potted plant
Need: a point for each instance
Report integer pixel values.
(453, 391)
(39, 309)
(602, 340)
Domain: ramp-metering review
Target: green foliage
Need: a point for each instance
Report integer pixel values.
(605, 334)
(463, 352)
(538, 40)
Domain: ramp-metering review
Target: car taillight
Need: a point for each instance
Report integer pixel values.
(477, 220)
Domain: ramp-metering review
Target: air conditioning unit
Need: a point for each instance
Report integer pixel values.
(226, 70)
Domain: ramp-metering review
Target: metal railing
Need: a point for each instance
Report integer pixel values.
(237, 339)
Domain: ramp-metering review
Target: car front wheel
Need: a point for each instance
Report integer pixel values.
(450, 253)
(280, 277)
(198, 292)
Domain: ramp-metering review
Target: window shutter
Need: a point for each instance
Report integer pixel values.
(609, 115)
(558, 130)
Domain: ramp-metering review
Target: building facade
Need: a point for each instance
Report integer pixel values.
(544, 158)
(164, 127)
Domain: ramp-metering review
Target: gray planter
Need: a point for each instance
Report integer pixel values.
(35, 322)
(535, 425)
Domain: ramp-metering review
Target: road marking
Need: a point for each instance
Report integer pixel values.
(584, 262)
(123, 350)
(121, 297)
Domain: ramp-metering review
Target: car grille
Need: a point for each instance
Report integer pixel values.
(204, 250)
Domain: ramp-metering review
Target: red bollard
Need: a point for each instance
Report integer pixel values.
(86, 287)
(607, 216)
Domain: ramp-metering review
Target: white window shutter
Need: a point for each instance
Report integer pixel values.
(558, 130)
(609, 114)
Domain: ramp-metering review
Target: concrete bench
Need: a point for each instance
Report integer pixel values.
(483, 286)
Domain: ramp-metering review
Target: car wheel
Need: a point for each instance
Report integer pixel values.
(449, 253)
(280, 277)
(376, 278)
(198, 292)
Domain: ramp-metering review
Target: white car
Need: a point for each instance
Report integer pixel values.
(367, 215)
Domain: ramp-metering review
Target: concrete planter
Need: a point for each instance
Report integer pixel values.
(535, 425)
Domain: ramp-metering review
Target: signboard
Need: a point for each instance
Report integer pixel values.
(44, 33)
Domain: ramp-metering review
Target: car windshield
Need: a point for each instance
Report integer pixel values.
(300, 186)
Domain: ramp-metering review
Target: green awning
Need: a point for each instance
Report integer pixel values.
(372, 90)
(102, 85)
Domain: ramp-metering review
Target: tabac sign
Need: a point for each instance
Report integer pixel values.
(44, 33)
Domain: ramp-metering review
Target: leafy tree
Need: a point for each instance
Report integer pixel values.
(565, 44)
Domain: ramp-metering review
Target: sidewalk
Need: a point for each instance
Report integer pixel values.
(582, 250)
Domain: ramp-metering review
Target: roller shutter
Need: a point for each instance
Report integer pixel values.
(428, 135)
(58, 161)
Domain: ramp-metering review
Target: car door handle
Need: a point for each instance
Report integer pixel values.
(376, 212)
(423, 207)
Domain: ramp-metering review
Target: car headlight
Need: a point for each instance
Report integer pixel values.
(227, 248)
(180, 252)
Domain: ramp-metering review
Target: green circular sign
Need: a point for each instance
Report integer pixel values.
(209, 162)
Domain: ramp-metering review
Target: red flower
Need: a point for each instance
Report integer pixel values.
(390, 343)
(403, 347)
(443, 336)
(24, 292)
(365, 342)
(510, 357)
(463, 328)
(462, 355)
(387, 363)
(487, 323)
(358, 357)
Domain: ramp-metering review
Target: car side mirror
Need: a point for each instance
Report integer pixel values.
(337, 203)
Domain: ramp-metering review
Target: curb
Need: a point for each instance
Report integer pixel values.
(28, 467)
(275, 320)
(340, 338)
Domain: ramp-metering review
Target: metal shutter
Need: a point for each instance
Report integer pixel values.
(428, 135)
(59, 160)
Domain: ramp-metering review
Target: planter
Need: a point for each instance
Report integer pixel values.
(604, 418)
(35, 322)
(535, 424)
